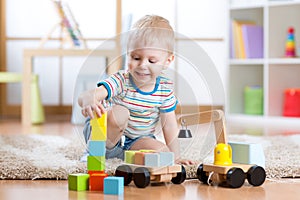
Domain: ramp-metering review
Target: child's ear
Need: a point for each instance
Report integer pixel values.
(170, 59)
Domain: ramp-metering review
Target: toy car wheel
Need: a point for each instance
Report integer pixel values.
(235, 177)
(181, 176)
(201, 174)
(124, 171)
(256, 175)
(141, 177)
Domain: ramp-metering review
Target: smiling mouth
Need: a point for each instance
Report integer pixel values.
(142, 74)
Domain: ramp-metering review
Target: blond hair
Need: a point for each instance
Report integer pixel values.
(151, 31)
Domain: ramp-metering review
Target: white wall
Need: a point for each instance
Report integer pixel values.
(96, 18)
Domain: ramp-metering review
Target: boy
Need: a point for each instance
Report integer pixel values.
(140, 96)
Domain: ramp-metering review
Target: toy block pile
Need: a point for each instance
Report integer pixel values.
(149, 158)
(97, 179)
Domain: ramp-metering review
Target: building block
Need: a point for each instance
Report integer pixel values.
(99, 133)
(152, 159)
(96, 148)
(166, 158)
(129, 156)
(97, 181)
(90, 172)
(78, 182)
(99, 121)
(114, 185)
(139, 158)
(96, 163)
(247, 153)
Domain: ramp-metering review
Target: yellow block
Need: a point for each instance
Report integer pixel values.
(99, 121)
(99, 133)
(99, 127)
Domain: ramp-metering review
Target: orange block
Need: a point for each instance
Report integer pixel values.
(96, 181)
(139, 158)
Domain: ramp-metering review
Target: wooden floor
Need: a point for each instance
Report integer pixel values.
(190, 189)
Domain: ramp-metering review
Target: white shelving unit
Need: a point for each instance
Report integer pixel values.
(273, 72)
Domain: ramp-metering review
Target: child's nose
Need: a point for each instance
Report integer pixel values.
(144, 63)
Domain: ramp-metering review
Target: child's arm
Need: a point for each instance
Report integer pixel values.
(170, 131)
(90, 101)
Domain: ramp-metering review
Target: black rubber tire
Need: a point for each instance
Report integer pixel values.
(256, 175)
(141, 177)
(235, 177)
(181, 176)
(126, 172)
(201, 175)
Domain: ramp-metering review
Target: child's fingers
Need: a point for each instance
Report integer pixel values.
(101, 107)
(97, 111)
(92, 110)
(89, 112)
(186, 162)
(84, 111)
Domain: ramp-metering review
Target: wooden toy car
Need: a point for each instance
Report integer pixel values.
(223, 171)
(143, 175)
(232, 176)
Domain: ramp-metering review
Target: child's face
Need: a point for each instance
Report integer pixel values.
(146, 64)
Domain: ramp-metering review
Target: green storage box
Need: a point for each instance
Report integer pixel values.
(253, 100)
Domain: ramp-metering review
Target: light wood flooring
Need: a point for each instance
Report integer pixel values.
(190, 189)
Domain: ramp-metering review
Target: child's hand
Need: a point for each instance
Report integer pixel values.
(185, 162)
(90, 109)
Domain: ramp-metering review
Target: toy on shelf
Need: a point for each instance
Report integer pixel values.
(290, 44)
(223, 171)
(70, 32)
(147, 166)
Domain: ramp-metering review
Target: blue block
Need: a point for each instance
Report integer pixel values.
(166, 159)
(152, 159)
(247, 153)
(96, 148)
(114, 185)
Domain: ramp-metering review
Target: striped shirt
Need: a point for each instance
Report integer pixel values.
(144, 107)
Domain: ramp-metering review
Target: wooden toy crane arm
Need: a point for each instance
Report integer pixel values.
(215, 116)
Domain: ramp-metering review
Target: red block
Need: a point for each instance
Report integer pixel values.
(291, 103)
(96, 181)
(90, 172)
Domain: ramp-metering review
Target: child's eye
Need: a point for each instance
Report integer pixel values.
(152, 61)
(135, 58)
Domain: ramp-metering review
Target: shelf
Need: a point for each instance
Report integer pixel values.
(242, 6)
(260, 4)
(262, 119)
(262, 61)
(274, 73)
(284, 61)
(246, 61)
(284, 3)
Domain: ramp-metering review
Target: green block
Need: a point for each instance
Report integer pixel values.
(78, 182)
(96, 163)
(129, 156)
